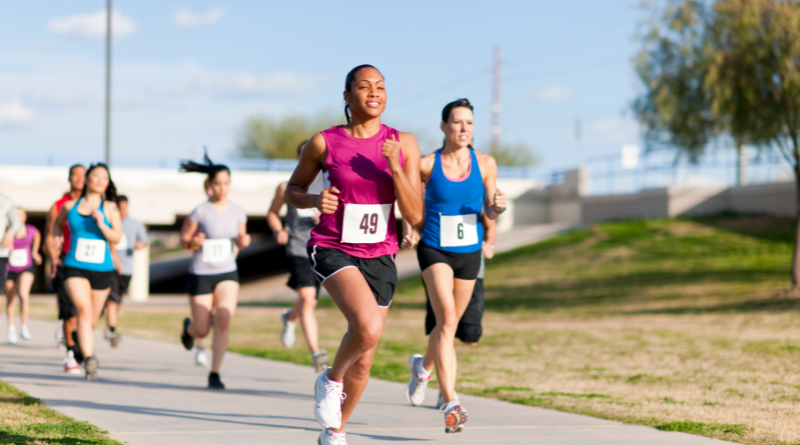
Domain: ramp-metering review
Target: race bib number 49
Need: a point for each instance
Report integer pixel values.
(90, 251)
(365, 223)
(458, 230)
(217, 250)
(18, 258)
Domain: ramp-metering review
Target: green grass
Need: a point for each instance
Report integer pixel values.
(702, 428)
(25, 420)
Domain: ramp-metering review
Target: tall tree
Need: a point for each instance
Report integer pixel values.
(724, 69)
(278, 138)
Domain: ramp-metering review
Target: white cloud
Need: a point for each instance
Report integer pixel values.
(14, 113)
(551, 94)
(185, 18)
(93, 25)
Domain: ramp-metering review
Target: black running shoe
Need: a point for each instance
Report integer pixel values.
(214, 382)
(77, 348)
(186, 339)
(91, 368)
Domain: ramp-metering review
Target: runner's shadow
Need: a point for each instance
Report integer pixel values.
(149, 385)
(389, 438)
(180, 414)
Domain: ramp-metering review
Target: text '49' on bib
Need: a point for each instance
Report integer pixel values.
(18, 258)
(91, 251)
(458, 230)
(217, 250)
(365, 223)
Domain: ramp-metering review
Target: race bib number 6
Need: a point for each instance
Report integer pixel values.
(217, 250)
(458, 230)
(307, 213)
(365, 223)
(90, 251)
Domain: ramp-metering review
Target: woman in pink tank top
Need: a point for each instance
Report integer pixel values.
(368, 168)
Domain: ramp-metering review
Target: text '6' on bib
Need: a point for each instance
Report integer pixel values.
(90, 251)
(365, 223)
(18, 258)
(217, 250)
(458, 230)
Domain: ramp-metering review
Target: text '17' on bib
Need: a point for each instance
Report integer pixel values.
(217, 250)
(458, 230)
(365, 223)
(18, 258)
(90, 251)
(123, 243)
(307, 213)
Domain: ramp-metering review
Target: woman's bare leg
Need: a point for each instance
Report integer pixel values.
(11, 292)
(226, 295)
(304, 310)
(24, 285)
(89, 304)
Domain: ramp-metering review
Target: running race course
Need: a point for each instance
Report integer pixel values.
(151, 393)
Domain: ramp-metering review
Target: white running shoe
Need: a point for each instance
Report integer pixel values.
(24, 333)
(415, 391)
(329, 397)
(70, 365)
(200, 357)
(455, 416)
(287, 335)
(60, 335)
(12, 335)
(328, 437)
(440, 401)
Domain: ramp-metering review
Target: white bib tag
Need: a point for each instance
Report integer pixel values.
(365, 223)
(123, 243)
(18, 258)
(90, 251)
(307, 213)
(458, 230)
(217, 250)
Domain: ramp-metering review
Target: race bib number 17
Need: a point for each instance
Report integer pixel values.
(365, 223)
(458, 230)
(217, 250)
(90, 251)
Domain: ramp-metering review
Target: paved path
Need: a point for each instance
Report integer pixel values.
(150, 393)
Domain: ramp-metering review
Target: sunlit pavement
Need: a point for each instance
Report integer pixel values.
(150, 392)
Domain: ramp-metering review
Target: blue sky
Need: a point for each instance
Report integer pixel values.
(190, 73)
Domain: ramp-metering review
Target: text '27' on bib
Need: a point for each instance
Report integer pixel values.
(18, 258)
(217, 250)
(365, 223)
(90, 251)
(458, 230)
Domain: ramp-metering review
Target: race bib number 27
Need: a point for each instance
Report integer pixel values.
(90, 251)
(365, 223)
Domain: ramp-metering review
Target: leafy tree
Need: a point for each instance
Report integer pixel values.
(724, 69)
(518, 155)
(278, 138)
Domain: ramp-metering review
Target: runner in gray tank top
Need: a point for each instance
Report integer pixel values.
(294, 235)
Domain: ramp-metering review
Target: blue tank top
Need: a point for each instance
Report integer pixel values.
(453, 209)
(88, 247)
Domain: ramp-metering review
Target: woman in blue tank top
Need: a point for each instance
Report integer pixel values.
(460, 186)
(94, 222)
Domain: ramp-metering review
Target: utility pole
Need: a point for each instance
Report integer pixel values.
(108, 82)
(496, 107)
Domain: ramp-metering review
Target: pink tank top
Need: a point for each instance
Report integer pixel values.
(358, 169)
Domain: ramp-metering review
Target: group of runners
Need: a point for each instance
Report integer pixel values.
(339, 232)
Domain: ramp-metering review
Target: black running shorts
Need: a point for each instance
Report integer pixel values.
(98, 280)
(465, 265)
(65, 307)
(300, 273)
(13, 276)
(120, 287)
(380, 272)
(470, 327)
(3, 274)
(206, 284)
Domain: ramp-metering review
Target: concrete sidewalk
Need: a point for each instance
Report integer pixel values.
(151, 393)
